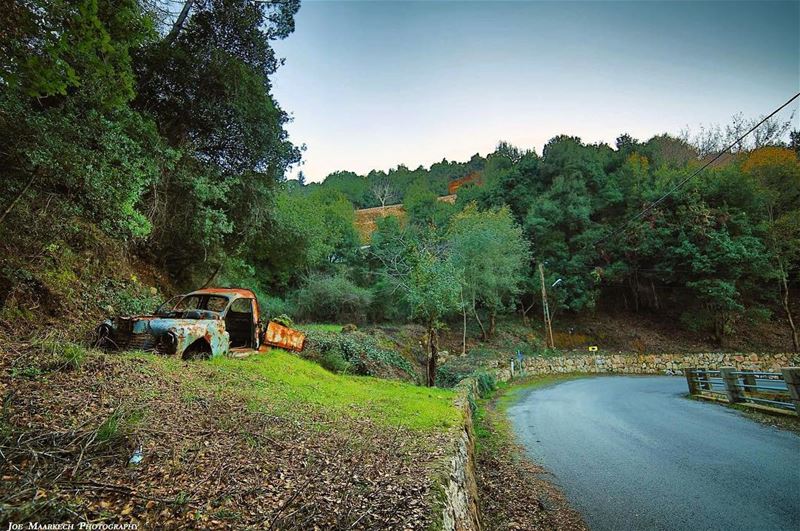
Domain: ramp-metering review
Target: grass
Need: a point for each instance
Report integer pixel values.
(320, 327)
(119, 423)
(280, 381)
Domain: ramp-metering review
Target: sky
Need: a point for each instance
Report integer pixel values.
(371, 85)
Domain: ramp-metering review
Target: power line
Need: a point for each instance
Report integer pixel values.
(623, 227)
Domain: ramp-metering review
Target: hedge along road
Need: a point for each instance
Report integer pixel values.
(634, 453)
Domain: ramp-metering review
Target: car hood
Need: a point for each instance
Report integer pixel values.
(156, 326)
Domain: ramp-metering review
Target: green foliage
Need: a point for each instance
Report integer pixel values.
(284, 320)
(310, 233)
(120, 423)
(354, 352)
(432, 287)
(490, 249)
(487, 383)
(172, 145)
(423, 207)
(278, 306)
(450, 376)
(332, 298)
(130, 297)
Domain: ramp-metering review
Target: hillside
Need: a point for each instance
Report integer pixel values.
(269, 441)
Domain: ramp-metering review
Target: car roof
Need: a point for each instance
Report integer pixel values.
(228, 292)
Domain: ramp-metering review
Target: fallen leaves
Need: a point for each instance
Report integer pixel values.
(209, 461)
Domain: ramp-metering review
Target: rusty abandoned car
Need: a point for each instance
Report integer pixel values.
(202, 324)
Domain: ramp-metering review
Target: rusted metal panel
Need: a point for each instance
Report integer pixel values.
(283, 337)
(454, 185)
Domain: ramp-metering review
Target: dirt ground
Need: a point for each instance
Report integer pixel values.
(208, 460)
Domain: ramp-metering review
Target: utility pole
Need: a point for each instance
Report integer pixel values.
(548, 326)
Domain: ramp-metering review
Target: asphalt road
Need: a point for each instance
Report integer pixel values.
(632, 453)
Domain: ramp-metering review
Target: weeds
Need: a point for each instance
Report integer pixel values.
(118, 425)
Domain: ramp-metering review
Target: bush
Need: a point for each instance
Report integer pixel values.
(333, 298)
(355, 353)
(486, 383)
(334, 361)
(275, 306)
(450, 376)
(284, 320)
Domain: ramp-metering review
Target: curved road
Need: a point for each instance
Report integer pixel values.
(632, 453)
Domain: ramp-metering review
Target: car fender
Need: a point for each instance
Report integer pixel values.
(212, 332)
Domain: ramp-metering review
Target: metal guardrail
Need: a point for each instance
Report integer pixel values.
(779, 390)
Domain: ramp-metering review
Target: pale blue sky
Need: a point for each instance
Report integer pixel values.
(375, 84)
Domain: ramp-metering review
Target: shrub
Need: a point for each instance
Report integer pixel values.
(334, 361)
(354, 352)
(449, 376)
(284, 320)
(333, 298)
(486, 383)
(276, 306)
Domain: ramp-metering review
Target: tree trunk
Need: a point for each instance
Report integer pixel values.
(464, 335)
(492, 323)
(484, 337)
(433, 354)
(19, 196)
(655, 296)
(719, 328)
(176, 27)
(524, 312)
(787, 309)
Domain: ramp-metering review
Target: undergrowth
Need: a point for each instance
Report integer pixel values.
(354, 353)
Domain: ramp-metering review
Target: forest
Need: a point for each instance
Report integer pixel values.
(134, 131)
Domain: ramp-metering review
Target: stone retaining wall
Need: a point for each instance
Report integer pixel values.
(651, 363)
(460, 509)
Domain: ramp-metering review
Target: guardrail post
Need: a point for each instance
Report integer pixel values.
(732, 388)
(690, 380)
(704, 384)
(749, 379)
(791, 375)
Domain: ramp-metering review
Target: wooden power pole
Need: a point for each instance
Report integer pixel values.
(548, 325)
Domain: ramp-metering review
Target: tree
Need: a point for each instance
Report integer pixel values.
(384, 191)
(424, 208)
(309, 233)
(489, 247)
(778, 172)
(794, 141)
(353, 186)
(421, 270)
(714, 138)
(431, 290)
(67, 126)
(208, 88)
